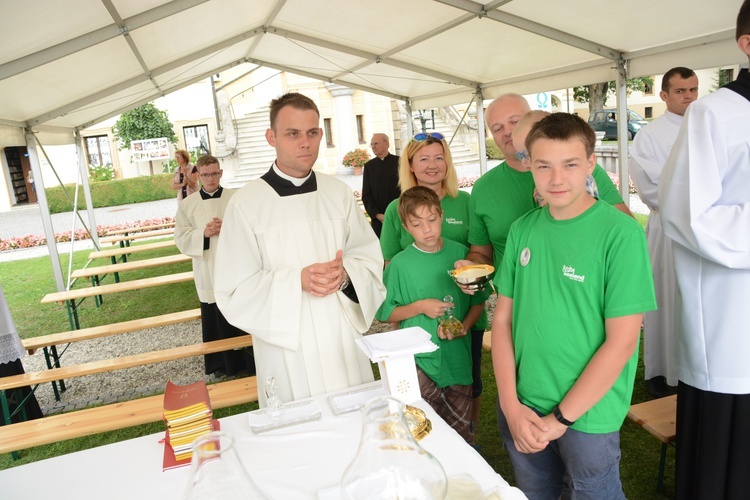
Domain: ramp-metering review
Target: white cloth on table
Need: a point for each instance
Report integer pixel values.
(649, 153)
(11, 347)
(305, 342)
(705, 206)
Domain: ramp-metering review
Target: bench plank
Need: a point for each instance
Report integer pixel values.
(115, 416)
(123, 286)
(658, 417)
(133, 265)
(122, 362)
(136, 236)
(140, 228)
(112, 329)
(115, 252)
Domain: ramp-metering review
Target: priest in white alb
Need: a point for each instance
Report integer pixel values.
(298, 266)
(649, 153)
(704, 197)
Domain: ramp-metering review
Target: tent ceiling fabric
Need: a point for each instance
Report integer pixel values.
(68, 65)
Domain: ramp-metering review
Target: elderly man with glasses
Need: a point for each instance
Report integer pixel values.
(197, 228)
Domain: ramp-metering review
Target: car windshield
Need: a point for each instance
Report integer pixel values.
(635, 116)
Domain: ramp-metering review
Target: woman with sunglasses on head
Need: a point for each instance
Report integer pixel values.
(426, 161)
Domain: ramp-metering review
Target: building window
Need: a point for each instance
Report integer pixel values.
(196, 140)
(725, 76)
(327, 130)
(97, 151)
(649, 112)
(648, 88)
(361, 129)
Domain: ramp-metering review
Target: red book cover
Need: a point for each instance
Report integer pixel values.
(177, 397)
(169, 461)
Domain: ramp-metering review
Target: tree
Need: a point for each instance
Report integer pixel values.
(596, 94)
(145, 122)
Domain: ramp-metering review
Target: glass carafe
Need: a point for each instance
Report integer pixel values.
(449, 322)
(389, 463)
(216, 472)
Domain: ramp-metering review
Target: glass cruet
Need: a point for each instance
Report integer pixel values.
(448, 321)
(273, 402)
(216, 472)
(389, 463)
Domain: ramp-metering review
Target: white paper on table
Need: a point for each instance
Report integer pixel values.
(406, 341)
(293, 413)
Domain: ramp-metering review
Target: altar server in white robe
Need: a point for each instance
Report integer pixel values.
(298, 266)
(197, 227)
(649, 153)
(705, 206)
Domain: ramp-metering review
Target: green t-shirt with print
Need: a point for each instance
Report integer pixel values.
(415, 275)
(566, 277)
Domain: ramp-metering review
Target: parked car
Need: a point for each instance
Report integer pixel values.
(605, 120)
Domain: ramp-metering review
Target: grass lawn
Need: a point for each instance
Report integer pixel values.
(25, 282)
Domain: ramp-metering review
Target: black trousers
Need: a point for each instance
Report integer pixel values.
(215, 327)
(713, 445)
(15, 396)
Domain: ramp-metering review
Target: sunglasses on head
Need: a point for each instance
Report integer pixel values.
(523, 155)
(432, 135)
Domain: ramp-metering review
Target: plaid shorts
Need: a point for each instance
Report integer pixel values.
(452, 403)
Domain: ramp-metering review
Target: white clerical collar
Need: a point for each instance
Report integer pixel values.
(294, 180)
(212, 192)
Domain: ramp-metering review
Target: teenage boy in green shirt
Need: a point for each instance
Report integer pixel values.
(573, 286)
(417, 280)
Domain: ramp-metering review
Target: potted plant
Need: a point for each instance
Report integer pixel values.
(356, 159)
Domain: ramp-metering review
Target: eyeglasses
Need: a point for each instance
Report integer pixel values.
(212, 174)
(523, 155)
(432, 135)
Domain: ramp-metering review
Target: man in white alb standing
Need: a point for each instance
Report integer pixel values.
(649, 153)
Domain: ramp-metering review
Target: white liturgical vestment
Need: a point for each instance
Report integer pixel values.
(649, 153)
(704, 196)
(305, 342)
(193, 213)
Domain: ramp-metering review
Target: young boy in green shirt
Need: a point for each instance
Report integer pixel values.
(417, 280)
(573, 286)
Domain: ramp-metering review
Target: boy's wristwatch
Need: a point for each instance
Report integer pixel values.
(559, 416)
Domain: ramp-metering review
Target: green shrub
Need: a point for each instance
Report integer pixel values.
(113, 193)
(493, 152)
(101, 173)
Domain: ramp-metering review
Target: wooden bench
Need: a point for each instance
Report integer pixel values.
(125, 239)
(659, 418)
(50, 342)
(94, 273)
(74, 298)
(137, 229)
(14, 437)
(122, 253)
(114, 416)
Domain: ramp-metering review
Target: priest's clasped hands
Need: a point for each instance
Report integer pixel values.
(324, 278)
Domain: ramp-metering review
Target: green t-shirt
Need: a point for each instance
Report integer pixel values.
(394, 238)
(503, 194)
(578, 273)
(498, 198)
(414, 275)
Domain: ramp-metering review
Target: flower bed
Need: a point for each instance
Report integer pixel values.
(30, 241)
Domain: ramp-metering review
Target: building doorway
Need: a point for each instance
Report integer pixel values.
(23, 189)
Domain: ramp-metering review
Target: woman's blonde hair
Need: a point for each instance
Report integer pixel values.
(406, 178)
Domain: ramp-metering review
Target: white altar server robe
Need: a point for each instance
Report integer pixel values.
(305, 342)
(704, 197)
(649, 153)
(193, 214)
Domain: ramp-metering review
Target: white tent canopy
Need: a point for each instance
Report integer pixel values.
(68, 65)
